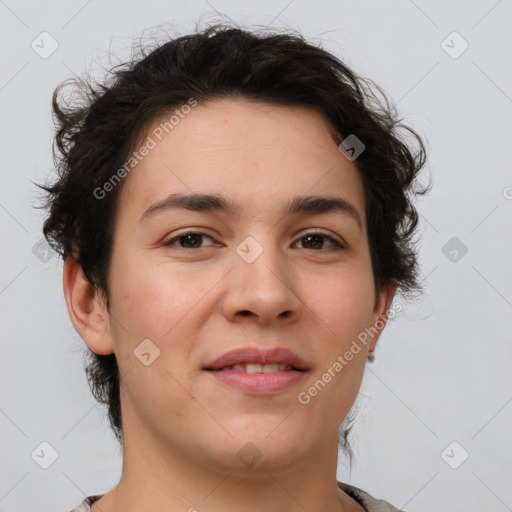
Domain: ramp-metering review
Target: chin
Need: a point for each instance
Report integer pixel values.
(249, 458)
(263, 443)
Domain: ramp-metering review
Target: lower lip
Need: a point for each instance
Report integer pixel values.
(259, 383)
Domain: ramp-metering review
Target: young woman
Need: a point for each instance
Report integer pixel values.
(234, 213)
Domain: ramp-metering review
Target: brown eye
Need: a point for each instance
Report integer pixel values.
(190, 240)
(316, 241)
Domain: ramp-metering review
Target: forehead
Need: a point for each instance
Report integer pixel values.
(258, 153)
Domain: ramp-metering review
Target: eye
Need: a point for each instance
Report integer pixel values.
(192, 240)
(314, 239)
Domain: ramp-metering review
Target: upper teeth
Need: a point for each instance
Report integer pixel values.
(260, 368)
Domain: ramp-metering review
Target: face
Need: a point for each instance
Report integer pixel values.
(199, 282)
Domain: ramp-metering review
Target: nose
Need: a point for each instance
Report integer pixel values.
(263, 289)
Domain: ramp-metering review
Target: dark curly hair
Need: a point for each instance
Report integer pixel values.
(97, 131)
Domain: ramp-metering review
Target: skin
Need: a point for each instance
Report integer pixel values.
(182, 428)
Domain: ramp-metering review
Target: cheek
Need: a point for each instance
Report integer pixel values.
(344, 309)
(344, 305)
(152, 302)
(151, 298)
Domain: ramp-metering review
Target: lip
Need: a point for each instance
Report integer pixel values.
(253, 355)
(258, 383)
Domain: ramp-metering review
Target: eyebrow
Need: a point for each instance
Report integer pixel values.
(311, 205)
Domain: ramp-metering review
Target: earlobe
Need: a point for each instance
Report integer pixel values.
(381, 312)
(87, 309)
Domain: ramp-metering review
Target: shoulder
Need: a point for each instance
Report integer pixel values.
(370, 503)
(85, 505)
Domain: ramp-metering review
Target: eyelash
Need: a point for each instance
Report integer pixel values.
(172, 241)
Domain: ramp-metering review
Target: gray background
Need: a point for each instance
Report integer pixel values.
(442, 369)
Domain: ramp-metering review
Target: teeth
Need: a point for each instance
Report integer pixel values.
(270, 368)
(254, 368)
(260, 368)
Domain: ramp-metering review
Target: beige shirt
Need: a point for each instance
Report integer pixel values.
(369, 503)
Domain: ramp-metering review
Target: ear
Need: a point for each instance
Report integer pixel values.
(380, 313)
(87, 309)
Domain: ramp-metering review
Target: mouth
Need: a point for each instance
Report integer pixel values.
(253, 360)
(257, 368)
(258, 372)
